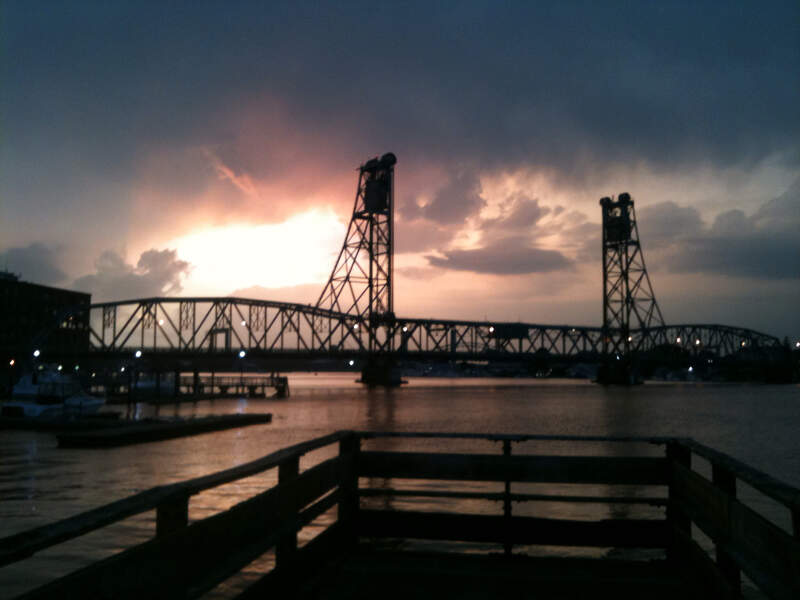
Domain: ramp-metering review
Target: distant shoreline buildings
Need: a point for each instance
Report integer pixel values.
(26, 310)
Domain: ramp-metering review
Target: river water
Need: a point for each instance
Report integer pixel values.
(39, 483)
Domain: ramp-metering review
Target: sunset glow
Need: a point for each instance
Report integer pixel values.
(299, 250)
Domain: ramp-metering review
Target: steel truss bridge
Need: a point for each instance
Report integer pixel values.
(226, 326)
(354, 316)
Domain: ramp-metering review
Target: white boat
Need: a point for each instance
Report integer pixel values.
(49, 394)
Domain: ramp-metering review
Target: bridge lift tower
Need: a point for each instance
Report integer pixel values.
(629, 304)
(361, 280)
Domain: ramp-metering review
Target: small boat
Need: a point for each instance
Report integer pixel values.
(49, 393)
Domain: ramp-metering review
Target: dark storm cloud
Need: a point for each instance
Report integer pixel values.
(157, 273)
(519, 213)
(457, 200)
(36, 263)
(508, 256)
(764, 245)
(570, 86)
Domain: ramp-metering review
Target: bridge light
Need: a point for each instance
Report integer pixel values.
(618, 358)
(491, 329)
(77, 367)
(351, 362)
(355, 326)
(242, 353)
(138, 354)
(744, 343)
(697, 342)
(122, 369)
(678, 340)
(797, 345)
(406, 329)
(93, 375)
(630, 338)
(36, 354)
(161, 321)
(691, 369)
(11, 362)
(60, 367)
(244, 323)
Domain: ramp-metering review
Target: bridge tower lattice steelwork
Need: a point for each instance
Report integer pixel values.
(361, 280)
(628, 297)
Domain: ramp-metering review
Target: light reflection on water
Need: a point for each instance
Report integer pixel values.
(40, 483)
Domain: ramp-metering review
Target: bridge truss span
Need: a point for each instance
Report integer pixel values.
(224, 326)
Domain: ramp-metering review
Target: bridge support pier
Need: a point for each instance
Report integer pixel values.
(618, 372)
(381, 371)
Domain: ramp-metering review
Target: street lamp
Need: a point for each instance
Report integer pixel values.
(36, 353)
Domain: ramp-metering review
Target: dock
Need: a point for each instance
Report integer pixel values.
(380, 533)
(139, 432)
(158, 387)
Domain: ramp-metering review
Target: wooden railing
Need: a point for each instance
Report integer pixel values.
(188, 559)
(745, 541)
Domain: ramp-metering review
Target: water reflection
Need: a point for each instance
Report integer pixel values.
(381, 417)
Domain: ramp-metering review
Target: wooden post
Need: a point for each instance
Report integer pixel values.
(726, 481)
(286, 547)
(679, 521)
(172, 515)
(349, 448)
(507, 502)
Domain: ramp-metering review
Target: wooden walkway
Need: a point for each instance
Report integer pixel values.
(388, 575)
(337, 490)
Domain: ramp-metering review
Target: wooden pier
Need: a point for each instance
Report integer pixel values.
(365, 549)
(219, 386)
(141, 432)
(119, 387)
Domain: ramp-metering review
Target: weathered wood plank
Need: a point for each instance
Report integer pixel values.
(488, 467)
(514, 437)
(768, 485)
(698, 568)
(769, 555)
(500, 496)
(202, 554)
(623, 533)
(26, 543)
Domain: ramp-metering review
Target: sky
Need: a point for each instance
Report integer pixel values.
(210, 148)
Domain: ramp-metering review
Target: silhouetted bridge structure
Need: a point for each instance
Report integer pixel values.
(354, 318)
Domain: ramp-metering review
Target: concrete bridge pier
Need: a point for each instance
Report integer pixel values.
(381, 371)
(618, 371)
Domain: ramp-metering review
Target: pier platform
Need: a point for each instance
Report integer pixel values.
(139, 432)
(353, 521)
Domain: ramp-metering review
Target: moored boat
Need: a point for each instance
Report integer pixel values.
(49, 393)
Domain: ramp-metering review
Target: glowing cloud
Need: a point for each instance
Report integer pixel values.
(299, 250)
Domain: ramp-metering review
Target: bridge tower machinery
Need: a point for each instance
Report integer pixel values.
(361, 281)
(630, 309)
